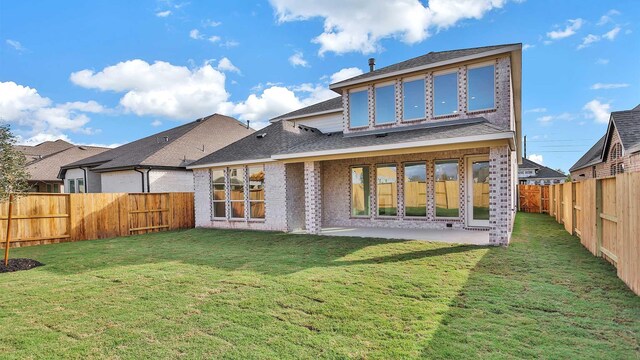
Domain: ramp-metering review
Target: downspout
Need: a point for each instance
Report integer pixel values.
(86, 184)
(141, 173)
(148, 183)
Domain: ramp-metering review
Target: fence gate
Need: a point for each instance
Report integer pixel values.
(148, 212)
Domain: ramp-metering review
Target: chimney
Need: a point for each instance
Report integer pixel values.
(248, 123)
(372, 64)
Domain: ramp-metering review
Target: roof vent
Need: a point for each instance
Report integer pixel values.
(262, 135)
(381, 135)
(166, 139)
(82, 148)
(372, 64)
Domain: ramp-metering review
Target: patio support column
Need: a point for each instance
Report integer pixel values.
(312, 197)
(499, 196)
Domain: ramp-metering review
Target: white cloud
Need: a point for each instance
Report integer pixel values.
(344, 74)
(536, 158)
(16, 45)
(214, 39)
(229, 44)
(163, 13)
(195, 34)
(156, 123)
(226, 65)
(297, 59)
(536, 110)
(160, 89)
(598, 111)
(611, 35)
(359, 25)
(38, 117)
(601, 86)
(548, 119)
(211, 23)
(527, 47)
(608, 17)
(569, 30)
(602, 61)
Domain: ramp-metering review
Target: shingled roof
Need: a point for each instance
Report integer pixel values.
(542, 172)
(37, 152)
(431, 58)
(330, 105)
(283, 138)
(173, 148)
(47, 168)
(591, 157)
(628, 125)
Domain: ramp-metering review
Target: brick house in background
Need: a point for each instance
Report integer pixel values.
(618, 151)
(532, 173)
(427, 143)
(156, 163)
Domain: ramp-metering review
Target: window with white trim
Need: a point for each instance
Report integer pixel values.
(358, 108)
(385, 109)
(413, 100)
(445, 94)
(256, 192)
(237, 197)
(80, 187)
(72, 186)
(219, 193)
(415, 189)
(447, 188)
(387, 190)
(481, 88)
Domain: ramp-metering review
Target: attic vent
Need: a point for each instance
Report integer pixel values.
(260, 136)
(166, 139)
(381, 135)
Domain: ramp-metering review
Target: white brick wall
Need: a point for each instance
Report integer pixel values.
(121, 181)
(501, 183)
(295, 196)
(313, 196)
(171, 180)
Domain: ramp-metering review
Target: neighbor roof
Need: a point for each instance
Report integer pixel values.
(330, 105)
(433, 57)
(47, 168)
(591, 157)
(628, 125)
(282, 138)
(173, 148)
(543, 171)
(43, 149)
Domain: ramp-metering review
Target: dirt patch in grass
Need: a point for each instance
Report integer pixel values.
(19, 264)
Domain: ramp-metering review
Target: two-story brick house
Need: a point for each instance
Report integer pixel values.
(618, 151)
(427, 143)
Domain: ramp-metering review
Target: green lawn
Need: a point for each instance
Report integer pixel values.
(241, 294)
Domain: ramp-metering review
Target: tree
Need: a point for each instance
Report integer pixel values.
(13, 175)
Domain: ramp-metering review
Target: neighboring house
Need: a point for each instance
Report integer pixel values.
(44, 172)
(156, 163)
(618, 151)
(532, 173)
(45, 159)
(427, 143)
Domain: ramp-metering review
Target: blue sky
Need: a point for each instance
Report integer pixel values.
(109, 72)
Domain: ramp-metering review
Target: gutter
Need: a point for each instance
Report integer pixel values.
(148, 183)
(141, 173)
(86, 184)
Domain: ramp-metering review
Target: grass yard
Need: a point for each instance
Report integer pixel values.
(241, 294)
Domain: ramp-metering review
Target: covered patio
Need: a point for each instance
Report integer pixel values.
(452, 236)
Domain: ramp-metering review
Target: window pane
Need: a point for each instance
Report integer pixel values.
(257, 210)
(480, 178)
(413, 100)
(219, 209)
(256, 183)
(72, 186)
(415, 189)
(80, 184)
(360, 191)
(237, 209)
(387, 190)
(445, 94)
(358, 109)
(385, 104)
(481, 88)
(447, 188)
(217, 176)
(218, 192)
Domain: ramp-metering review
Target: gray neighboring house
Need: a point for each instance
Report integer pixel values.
(156, 163)
(430, 143)
(532, 173)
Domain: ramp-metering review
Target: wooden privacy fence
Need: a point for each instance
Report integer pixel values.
(51, 218)
(533, 198)
(605, 215)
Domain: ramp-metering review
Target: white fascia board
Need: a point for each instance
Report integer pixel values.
(230, 163)
(341, 85)
(307, 115)
(509, 135)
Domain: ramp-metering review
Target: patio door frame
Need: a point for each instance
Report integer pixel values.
(468, 167)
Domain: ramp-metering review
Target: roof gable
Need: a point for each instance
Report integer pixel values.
(48, 168)
(542, 172)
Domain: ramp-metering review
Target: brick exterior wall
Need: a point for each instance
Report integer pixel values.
(313, 197)
(603, 169)
(295, 196)
(171, 180)
(500, 195)
(501, 115)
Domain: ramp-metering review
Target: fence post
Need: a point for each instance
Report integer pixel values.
(6, 247)
(573, 209)
(598, 218)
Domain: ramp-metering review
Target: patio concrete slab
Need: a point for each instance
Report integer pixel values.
(454, 236)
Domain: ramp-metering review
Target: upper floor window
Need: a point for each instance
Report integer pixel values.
(481, 88)
(445, 94)
(616, 151)
(413, 100)
(385, 104)
(358, 109)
